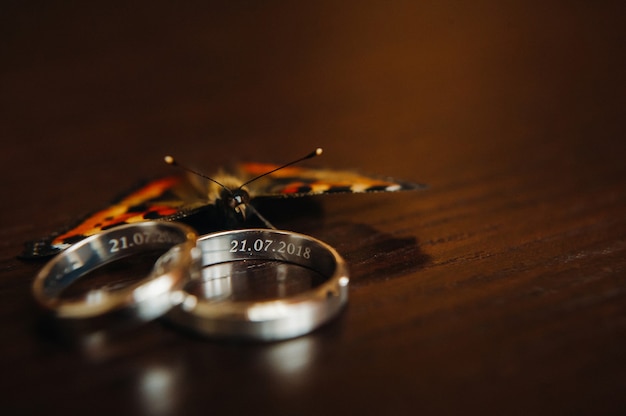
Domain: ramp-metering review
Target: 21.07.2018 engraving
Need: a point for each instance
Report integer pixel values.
(267, 245)
(140, 239)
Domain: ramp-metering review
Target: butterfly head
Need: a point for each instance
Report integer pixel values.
(237, 200)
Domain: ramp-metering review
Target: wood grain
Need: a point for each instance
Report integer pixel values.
(501, 289)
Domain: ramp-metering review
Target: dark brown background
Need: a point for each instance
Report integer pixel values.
(501, 289)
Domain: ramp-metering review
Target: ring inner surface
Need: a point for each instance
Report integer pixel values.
(253, 280)
(113, 276)
(256, 265)
(144, 243)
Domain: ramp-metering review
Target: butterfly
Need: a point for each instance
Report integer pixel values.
(212, 203)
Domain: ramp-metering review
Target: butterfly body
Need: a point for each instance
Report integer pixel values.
(224, 201)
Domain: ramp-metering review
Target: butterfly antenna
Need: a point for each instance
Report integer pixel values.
(314, 153)
(171, 161)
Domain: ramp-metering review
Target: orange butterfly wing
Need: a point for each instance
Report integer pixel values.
(168, 198)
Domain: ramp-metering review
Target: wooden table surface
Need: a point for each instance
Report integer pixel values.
(499, 290)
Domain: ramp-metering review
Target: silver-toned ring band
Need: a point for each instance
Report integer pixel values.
(273, 319)
(144, 300)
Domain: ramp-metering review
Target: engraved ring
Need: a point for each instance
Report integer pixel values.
(279, 317)
(144, 300)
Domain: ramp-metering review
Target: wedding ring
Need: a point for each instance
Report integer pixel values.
(144, 300)
(216, 314)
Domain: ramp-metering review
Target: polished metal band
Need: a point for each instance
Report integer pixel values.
(268, 320)
(144, 300)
